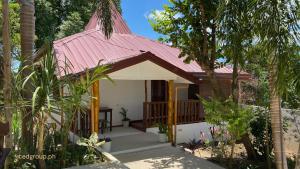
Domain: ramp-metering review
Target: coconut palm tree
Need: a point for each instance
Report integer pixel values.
(104, 15)
(277, 29)
(27, 26)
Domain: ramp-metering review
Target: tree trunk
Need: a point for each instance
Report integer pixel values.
(40, 142)
(7, 74)
(298, 158)
(27, 24)
(234, 84)
(217, 90)
(235, 96)
(7, 70)
(276, 121)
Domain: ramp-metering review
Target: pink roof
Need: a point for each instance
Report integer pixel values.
(119, 25)
(84, 50)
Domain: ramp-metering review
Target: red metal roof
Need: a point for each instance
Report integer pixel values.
(119, 25)
(84, 50)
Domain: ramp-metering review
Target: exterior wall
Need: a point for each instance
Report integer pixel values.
(188, 132)
(129, 94)
(205, 89)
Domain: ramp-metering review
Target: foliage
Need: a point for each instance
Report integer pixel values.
(60, 13)
(14, 22)
(70, 16)
(262, 133)
(182, 26)
(104, 14)
(73, 24)
(229, 114)
(232, 121)
(124, 112)
(91, 144)
(162, 128)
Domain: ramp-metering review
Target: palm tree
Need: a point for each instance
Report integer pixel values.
(6, 67)
(276, 26)
(235, 35)
(27, 26)
(104, 15)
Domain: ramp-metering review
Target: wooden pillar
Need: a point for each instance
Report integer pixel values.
(170, 109)
(62, 118)
(95, 107)
(146, 91)
(175, 118)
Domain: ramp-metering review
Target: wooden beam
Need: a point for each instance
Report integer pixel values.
(95, 106)
(170, 109)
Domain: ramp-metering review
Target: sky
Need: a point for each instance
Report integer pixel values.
(135, 13)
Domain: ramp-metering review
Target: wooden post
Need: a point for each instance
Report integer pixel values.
(62, 119)
(92, 119)
(146, 91)
(175, 118)
(95, 106)
(170, 109)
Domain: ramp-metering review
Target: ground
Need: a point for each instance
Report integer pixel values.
(165, 158)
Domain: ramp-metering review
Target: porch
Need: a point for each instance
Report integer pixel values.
(188, 111)
(128, 140)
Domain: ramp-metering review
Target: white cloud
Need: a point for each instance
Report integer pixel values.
(154, 14)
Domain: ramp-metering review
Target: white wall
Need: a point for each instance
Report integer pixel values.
(188, 132)
(129, 94)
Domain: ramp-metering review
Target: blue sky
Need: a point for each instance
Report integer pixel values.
(135, 13)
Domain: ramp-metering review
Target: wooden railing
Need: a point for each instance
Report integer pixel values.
(189, 111)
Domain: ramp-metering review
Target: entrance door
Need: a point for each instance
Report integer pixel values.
(158, 90)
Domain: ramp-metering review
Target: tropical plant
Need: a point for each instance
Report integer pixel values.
(230, 118)
(27, 26)
(235, 36)
(162, 128)
(278, 42)
(43, 80)
(124, 112)
(260, 128)
(74, 103)
(91, 143)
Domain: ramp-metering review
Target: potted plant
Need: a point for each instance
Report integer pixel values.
(125, 120)
(107, 145)
(162, 133)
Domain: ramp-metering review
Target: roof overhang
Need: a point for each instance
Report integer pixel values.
(148, 56)
(222, 76)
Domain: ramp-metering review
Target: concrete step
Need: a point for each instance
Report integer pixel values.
(141, 149)
(136, 142)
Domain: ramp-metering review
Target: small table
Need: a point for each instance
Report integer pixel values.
(106, 110)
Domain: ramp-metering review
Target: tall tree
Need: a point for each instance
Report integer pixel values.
(7, 69)
(191, 26)
(27, 26)
(235, 36)
(276, 25)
